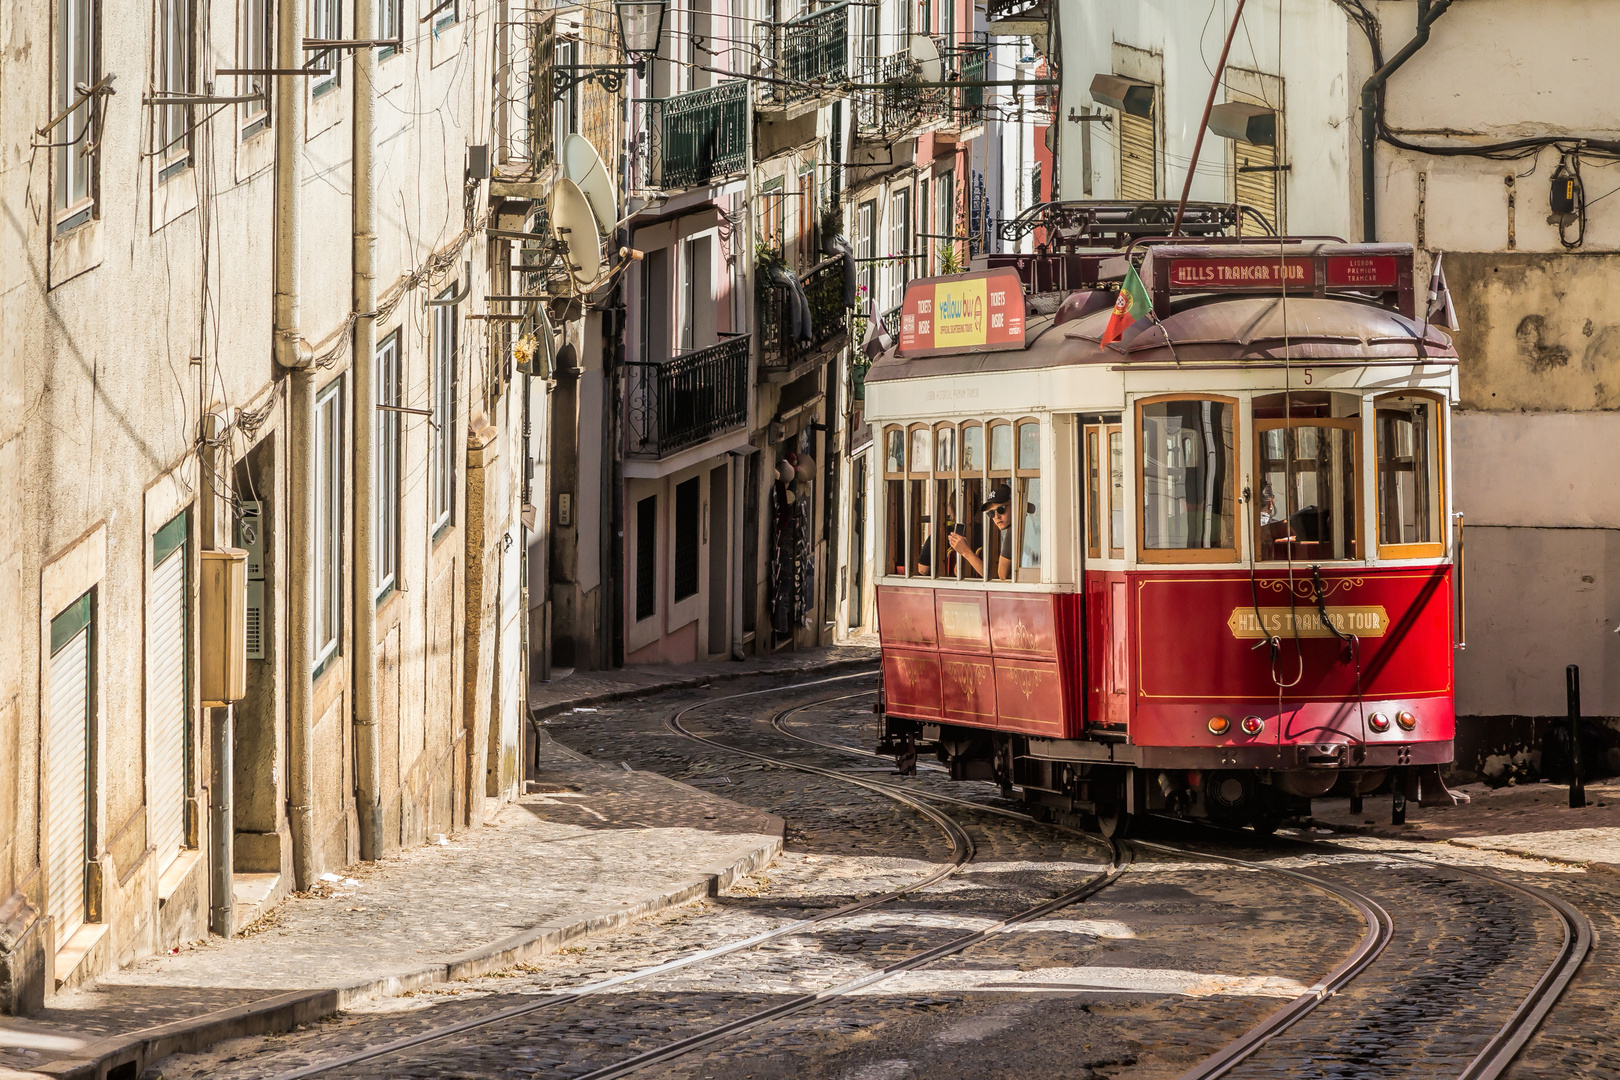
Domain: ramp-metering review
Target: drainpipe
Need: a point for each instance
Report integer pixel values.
(368, 793)
(1370, 113)
(221, 741)
(294, 354)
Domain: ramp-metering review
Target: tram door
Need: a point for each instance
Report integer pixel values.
(1106, 594)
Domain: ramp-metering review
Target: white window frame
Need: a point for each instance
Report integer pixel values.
(172, 74)
(78, 63)
(443, 497)
(899, 245)
(385, 468)
(390, 25)
(325, 21)
(327, 521)
(254, 52)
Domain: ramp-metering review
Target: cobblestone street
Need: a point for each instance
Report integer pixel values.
(1177, 957)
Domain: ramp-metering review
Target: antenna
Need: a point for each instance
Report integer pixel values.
(583, 165)
(574, 225)
(926, 55)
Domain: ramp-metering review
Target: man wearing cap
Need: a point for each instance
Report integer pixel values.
(999, 504)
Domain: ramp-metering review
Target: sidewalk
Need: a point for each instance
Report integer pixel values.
(591, 847)
(592, 688)
(1534, 820)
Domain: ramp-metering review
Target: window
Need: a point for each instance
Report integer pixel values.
(325, 22)
(947, 500)
(773, 214)
(1028, 503)
(1407, 429)
(78, 63)
(919, 518)
(70, 763)
(866, 249)
(1116, 492)
(1105, 491)
(1138, 155)
(857, 540)
(945, 202)
(564, 109)
(894, 500)
(390, 25)
(899, 245)
(1188, 477)
(443, 496)
(925, 243)
(254, 52)
(646, 554)
(687, 497)
(173, 76)
(385, 467)
(972, 471)
(328, 520)
(1096, 492)
(1255, 181)
(447, 13)
(1306, 452)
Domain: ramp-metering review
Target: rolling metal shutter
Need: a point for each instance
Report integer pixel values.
(67, 743)
(1138, 153)
(166, 705)
(1256, 189)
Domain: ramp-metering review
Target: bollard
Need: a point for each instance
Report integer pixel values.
(1577, 776)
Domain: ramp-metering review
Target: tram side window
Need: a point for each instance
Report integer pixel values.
(1029, 497)
(919, 516)
(945, 497)
(1105, 492)
(894, 498)
(1408, 468)
(1306, 505)
(1188, 468)
(1096, 510)
(1116, 492)
(972, 462)
(998, 564)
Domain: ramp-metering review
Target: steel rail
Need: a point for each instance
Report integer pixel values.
(961, 849)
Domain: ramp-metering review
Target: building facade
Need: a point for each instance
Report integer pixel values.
(242, 320)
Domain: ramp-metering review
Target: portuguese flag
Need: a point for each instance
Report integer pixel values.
(1131, 307)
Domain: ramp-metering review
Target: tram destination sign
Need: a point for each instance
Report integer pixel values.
(960, 313)
(1338, 272)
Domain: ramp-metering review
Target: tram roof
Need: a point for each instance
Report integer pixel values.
(1205, 328)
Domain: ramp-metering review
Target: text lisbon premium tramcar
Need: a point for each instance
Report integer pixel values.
(1205, 570)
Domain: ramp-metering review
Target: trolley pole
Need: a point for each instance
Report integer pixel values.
(1577, 777)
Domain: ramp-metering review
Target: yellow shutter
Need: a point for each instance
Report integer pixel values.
(1137, 157)
(1256, 189)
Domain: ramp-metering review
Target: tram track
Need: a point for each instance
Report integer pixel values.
(1492, 1060)
(962, 849)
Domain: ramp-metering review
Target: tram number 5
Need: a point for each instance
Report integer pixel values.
(1307, 376)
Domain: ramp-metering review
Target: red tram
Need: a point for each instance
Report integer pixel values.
(1205, 570)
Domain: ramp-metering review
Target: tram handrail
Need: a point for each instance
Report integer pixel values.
(1462, 594)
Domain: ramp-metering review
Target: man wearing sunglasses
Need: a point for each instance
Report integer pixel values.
(999, 505)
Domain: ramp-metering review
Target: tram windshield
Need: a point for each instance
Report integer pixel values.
(1305, 454)
(1189, 474)
(1407, 431)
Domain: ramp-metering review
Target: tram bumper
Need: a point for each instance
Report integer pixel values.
(1291, 756)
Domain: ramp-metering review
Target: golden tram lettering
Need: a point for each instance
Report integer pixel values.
(1306, 622)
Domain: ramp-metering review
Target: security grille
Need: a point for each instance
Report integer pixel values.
(67, 787)
(166, 687)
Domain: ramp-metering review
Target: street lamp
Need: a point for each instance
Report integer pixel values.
(641, 27)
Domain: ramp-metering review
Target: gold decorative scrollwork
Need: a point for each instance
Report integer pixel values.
(1023, 638)
(1026, 679)
(967, 677)
(1306, 590)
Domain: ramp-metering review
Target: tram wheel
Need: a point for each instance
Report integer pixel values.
(1113, 821)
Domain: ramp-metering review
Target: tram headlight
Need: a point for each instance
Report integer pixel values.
(1219, 725)
(1378, 722)
(1253, 725)
(1406, 720)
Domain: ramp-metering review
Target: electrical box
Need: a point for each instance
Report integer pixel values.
(255, 619)
(565, 510)
(250, 537)
(222, 635)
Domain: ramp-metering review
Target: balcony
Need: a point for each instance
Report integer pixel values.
(697, 137)
(682, 402)
(812, 49)
(829, 319)
(901, 105)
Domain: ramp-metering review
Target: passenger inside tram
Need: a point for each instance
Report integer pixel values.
(999, 506)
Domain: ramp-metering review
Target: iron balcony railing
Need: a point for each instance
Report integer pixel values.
(682, 402)
(903, 103)
(698, 136)
(972, 65)
(809, 54)
(891, 322)
(823, 287)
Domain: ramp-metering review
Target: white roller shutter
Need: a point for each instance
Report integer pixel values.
(1138, 154)
(166, 706)
(1256, 189)
(68, 736)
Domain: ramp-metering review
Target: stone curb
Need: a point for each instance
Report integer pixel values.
(688, 682)
(1606, 869)
(283, 1012)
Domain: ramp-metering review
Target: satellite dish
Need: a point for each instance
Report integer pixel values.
(583, 165)
(573, 224)
(926, 55)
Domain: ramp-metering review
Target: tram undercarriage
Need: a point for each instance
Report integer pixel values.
(1103, 784)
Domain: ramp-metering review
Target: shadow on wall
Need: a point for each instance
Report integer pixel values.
(1502, 750)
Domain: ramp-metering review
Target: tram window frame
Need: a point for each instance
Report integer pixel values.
(919, 498)
(1104, 463)
(1027, 499)
(1231, 554)
(1437, 477)
(992, 480)
(894, 500)
(943, 562)
(1351, 479)
(972, 491)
